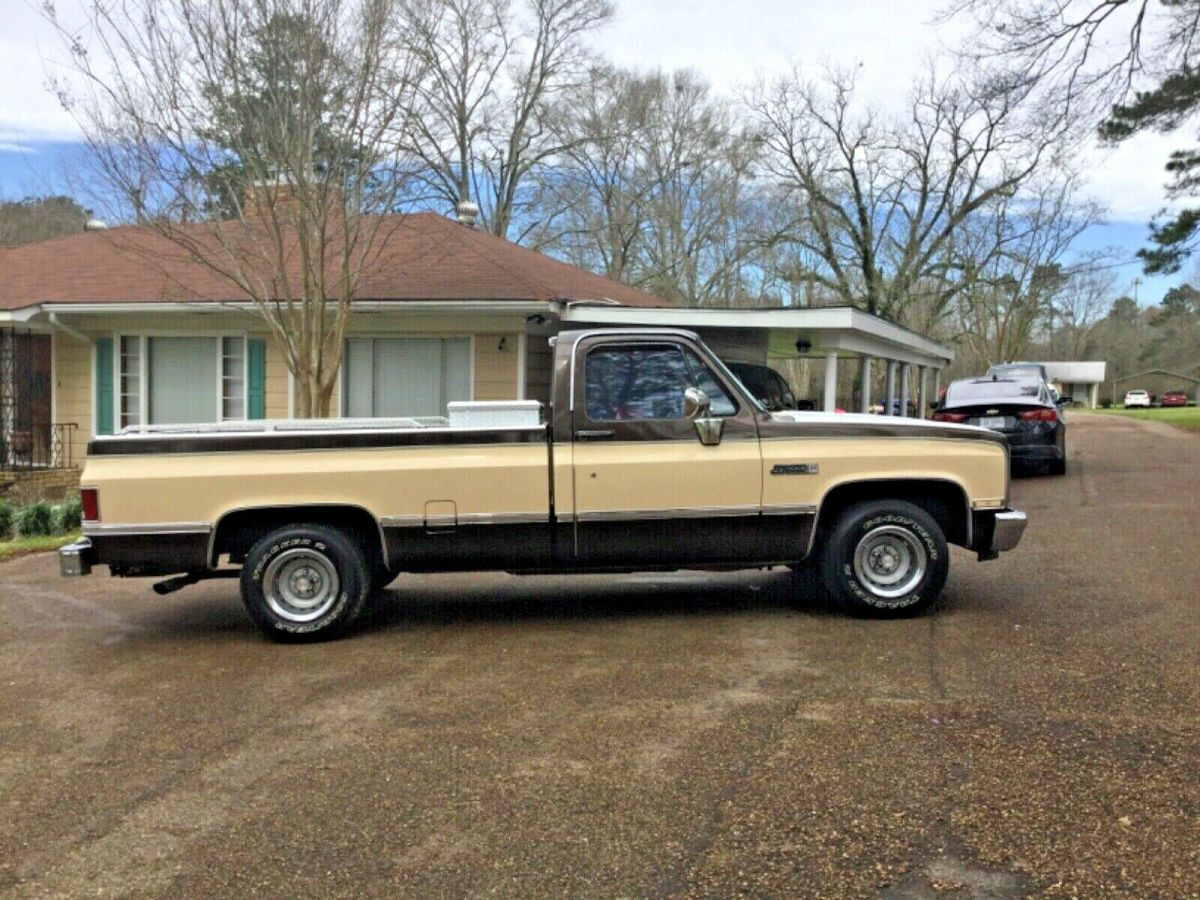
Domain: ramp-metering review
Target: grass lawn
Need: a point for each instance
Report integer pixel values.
(1180, 416)
(26, 545)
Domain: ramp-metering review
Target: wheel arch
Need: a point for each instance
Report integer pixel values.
(237, 529)
(943, 498)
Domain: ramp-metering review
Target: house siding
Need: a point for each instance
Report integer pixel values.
(73, 390)
(496, 373)
(277, 380)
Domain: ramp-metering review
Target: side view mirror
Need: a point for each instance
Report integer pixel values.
(696, 405)
(1065, 401)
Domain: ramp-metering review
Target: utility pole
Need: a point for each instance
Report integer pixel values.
(1137, 283)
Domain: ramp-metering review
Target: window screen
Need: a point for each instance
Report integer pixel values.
(405, 376)
(182, 374)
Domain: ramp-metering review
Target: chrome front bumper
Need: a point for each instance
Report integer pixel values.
(76, 559)
(1006, 533)
(996, 531)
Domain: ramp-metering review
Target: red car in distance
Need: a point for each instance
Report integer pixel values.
(1174, 398)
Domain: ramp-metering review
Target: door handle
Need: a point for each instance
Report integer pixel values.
(595, 434)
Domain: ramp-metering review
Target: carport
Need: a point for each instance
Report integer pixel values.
(911, 363)
(1160, 373)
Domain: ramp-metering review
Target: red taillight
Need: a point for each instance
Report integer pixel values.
(89, 499)
(949, 417)
(1039, 415)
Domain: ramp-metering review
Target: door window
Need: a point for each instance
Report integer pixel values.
(641, 382)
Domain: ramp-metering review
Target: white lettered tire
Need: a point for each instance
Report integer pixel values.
(885, 558)
(305, 582)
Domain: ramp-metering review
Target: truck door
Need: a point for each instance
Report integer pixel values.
(647, 491)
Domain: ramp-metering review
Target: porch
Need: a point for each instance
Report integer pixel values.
(33, 447)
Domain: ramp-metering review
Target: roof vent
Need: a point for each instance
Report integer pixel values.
(466, 212)
(95, 225)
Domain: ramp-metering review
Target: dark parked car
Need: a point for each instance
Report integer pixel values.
(1023, 410)
(767, 385)
(1175, 398)
(1016, 369)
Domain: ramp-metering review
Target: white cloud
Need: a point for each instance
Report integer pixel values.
(29, 112)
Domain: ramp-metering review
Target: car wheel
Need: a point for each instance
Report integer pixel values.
(305, 582)
(885, 558)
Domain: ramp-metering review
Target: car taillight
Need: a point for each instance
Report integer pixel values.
(1039, 415)
(949, 417)
(89, 499)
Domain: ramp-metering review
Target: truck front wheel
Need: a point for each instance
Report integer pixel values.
(885, 558)
(305, 582)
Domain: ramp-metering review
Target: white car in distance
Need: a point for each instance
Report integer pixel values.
(1137, 398)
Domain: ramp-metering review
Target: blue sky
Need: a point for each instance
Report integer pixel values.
(730, 44)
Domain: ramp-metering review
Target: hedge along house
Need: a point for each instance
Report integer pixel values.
(119, 327)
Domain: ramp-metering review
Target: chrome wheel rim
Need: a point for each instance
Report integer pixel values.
(890, 561)
(301, 585)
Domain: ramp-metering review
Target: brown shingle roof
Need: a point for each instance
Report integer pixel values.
(424, 256)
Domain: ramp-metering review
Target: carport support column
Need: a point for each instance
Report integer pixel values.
(889, 390)
(921, 396)
(904, 367)
(937, 386)
(864, 376)
(831, 373)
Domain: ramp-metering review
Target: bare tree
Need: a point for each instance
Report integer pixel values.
(656, 185)
(1122, 67)
(1078, 308)
(1014, 264)
(255, 137)
(881, 201)
(1079, 55)
(492, 75)
(592, 206)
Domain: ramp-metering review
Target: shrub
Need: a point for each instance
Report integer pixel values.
(1106, 404)
(6, 520)
(68, 517)
(35, 520)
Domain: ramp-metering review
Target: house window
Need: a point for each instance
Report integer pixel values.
(404, 376)
(131, 381)
(180, 380)
(233, 379)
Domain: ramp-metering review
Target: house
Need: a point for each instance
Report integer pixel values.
(1078, 380)
(119, 327)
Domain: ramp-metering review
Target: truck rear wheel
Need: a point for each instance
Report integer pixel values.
(305, 582)
(885, 558)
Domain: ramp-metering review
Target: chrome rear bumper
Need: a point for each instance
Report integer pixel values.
(76, 559)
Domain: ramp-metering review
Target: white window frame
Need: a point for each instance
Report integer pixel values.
(142, 338)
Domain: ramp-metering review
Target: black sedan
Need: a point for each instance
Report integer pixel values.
(1022, 409)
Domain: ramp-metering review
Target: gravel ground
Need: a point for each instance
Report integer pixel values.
(647, 735)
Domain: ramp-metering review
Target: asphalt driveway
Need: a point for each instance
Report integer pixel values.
(687, 734)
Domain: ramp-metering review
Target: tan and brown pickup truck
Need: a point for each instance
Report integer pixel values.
(651, 456)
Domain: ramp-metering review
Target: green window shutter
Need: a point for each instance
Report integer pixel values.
(104, 386)
(256, 379)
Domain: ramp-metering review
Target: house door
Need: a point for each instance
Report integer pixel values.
(25, 398)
